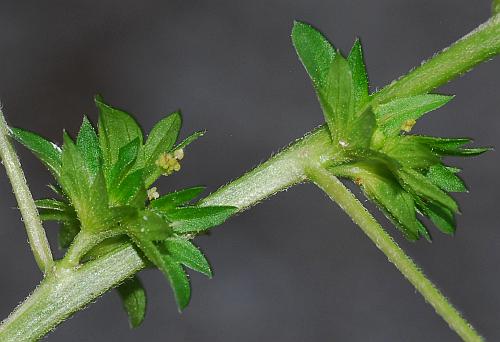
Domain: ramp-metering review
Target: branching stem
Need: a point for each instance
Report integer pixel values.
(36, 233)
(334, 188)
(67, 290)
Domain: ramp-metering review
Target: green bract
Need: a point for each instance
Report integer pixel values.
(402, 173)
(102, 189)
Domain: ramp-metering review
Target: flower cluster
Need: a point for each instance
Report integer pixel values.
(402, 173)
(102, 192)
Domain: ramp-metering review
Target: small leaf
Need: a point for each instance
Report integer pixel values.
(360, 130)
(88, 143)
(55, 210)
(116, 129)
(151, 226)
(410, 152)
(442, 145)
(380, 186)
(172, 270)
(314, 51)
(197, 219)
(178, 280)
(74, 179)
(104, 247)
(67, 233)
(126, 158)
(468, 152)
(445, 179)
(184, 252)
(56, 215)
(134, 300)
(175, 199)
(49, 203)
(359, 77)
(57, 190)
(393, 115)
(189, 140)
(131, 190)
(424, 232)
(48, 152)
(336, 98)
(160, 140)
(442, 218)
(423, 187)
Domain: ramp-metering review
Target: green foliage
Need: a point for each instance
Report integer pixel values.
(103, 180)
(134, 300)
(391, 116)
(402, 173)
(48, 152)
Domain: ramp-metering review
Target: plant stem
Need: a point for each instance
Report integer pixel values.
(332, 186)
(36, 233)
(71, 288)
(67, 290)
(480, 45)
(276, 174)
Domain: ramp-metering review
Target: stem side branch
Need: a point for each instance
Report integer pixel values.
(36, 233)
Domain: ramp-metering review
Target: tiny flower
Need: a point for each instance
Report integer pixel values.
(153, 194)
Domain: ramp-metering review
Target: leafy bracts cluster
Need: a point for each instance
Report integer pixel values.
(104, 197)
(402, 173)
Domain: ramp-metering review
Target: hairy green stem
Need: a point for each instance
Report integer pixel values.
(69, 289)
(478, 46)
(276, 174)
(334, 188)
(65, 291)
(61, 294)
(83, 243)
(36, 233)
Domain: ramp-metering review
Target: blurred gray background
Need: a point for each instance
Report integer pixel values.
(294, 268)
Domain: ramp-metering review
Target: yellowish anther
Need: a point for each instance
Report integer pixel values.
(153, 193)
(179, 154)
(169, 163)
(408, 125)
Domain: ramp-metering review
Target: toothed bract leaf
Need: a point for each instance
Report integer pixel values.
(446, 179)
(116, 129)
(198, 219)
(172, 269)
(88, 144)
(442, 217)
(48, 152)
(126, 158)
(149, 225)
(67, 233)
(87, 194)
(314, 51)
(392, 116)
(178, 280)
(134, 300)
(175, 199)
(184, 252)
(336, 98)
(131, 191)
(359, 77)
(451, 146)
(409, 152)
(424, 188)
(379, 185)
(359, 131)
